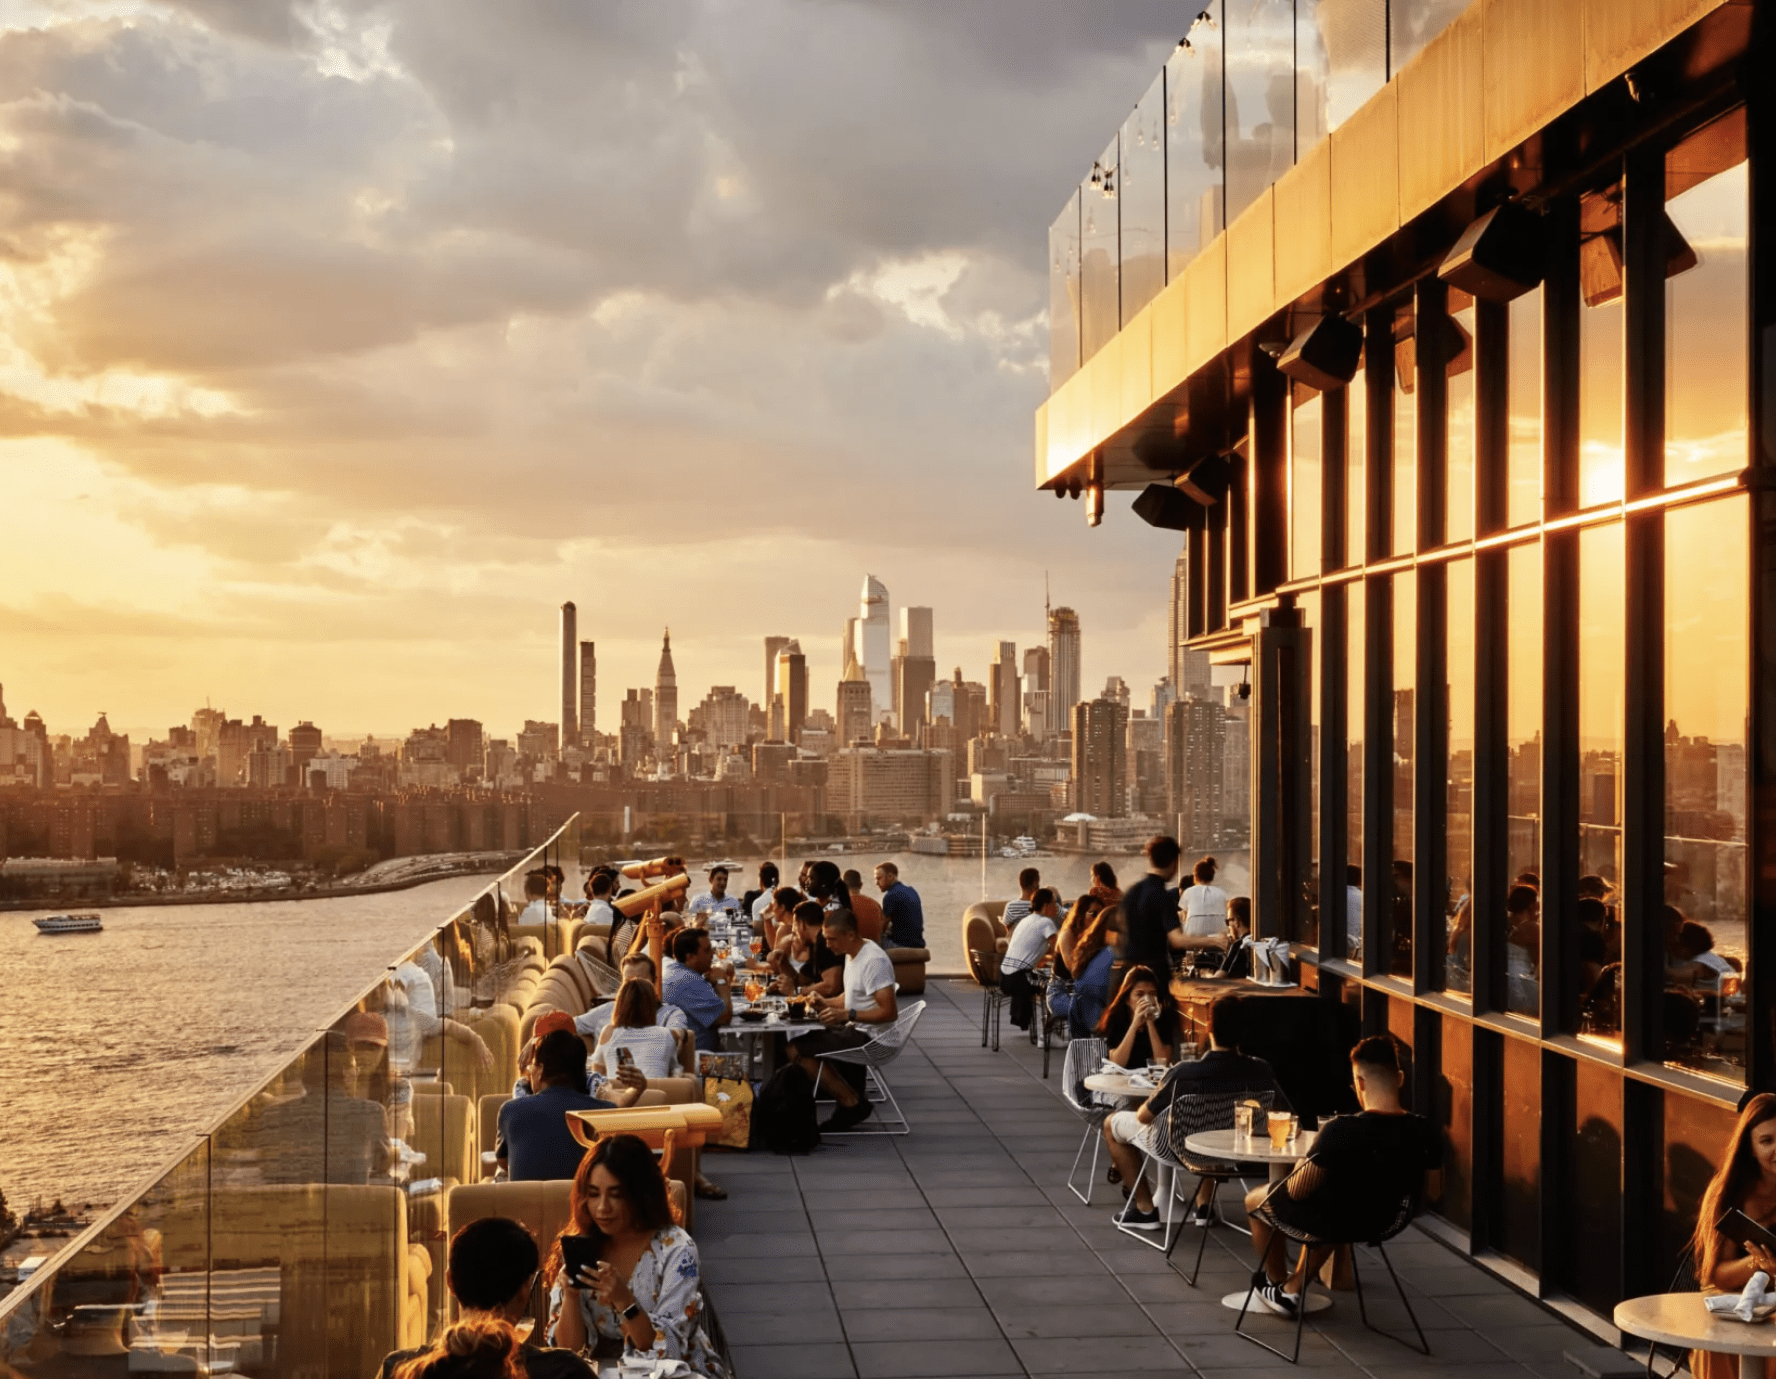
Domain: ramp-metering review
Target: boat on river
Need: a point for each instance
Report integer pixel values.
(69, 924)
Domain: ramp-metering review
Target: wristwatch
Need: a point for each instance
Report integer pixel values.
(632, 1311)
(851, 1015)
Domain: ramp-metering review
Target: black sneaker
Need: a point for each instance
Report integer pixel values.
(1202, 1216)
(1273, 1296)
(1136, 1219)
(844, 1118)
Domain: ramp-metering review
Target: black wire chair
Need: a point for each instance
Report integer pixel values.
(993, 997)
(1193, 1114)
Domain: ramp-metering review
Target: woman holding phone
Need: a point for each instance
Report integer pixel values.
(1745, 1180)
(634, 1037)
(622, 1274)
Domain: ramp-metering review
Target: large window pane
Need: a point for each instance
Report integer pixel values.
(1063, 294)
(1356, 455)
(1340, 61)
(1195, 149)
(1602, 471)
(1593, 1210)
(1602, 664)
(1707, 627)
(1141, 195)
(1305, 498)
(1523, 744)
(1458, 795)
(1454, 1114)
(1310, 604)
(1706, 191)
(1260, 97)
(1414, 23)
(1523, 482)
(1353, 771)
(1405, 486)
(1459, 484)
(1099, 248)
(1405, 648)
(1519, 1205)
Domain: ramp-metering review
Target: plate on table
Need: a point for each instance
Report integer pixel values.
(753, 1015)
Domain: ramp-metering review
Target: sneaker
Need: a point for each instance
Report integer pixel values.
(1201, 1216)
(845, 1117)
(1273, 1296)
(1134, 1218)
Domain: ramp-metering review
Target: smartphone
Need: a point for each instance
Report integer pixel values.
(625, 1056)
(1742, 1230)
(579, 1254)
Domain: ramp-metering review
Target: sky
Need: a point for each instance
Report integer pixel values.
(340, 343)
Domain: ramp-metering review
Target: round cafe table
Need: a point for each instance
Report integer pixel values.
(1229, 1146)
(1682, 1319)
(1122, 1085)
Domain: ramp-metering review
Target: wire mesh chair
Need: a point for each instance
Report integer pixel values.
(1051, 1023)
(1193, 1113)
(881, 1050)
(1082, 1059)
(993, 997)
(1383, 1228)
(1154, 1142)
(1678, 1360)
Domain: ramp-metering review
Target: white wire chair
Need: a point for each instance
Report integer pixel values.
(1083, 1058)
(881, 1050)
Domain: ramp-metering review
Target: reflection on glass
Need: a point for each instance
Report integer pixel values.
(1305, 501)
(1602, 472)
(1602, 665)
(1141, 194)
(1260, 101)
(1454, 1115)
(1706, 191)
(1414, 23)
(1707, 622)
(1356, 453)
(1458, 797)
(1459, 442)
(1309, 603)
(1063, 294)
(1594, 1211)
(1405, 486)
(1523, 463)
(1405, 647)
(1520, 1163)
(1697, 1133)
(1523, 744)
(1353, 771)
(1195, 194)
(1099, 244)
(1340, 61)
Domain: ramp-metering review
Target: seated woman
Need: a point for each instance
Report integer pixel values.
(1746, 1180)
(1351, 1180)
(1103, 887)
(1142, 1024)
(1085, 909)
(634, 1038)
(479, 1348)
(645, 1289)
(1523, 949)
(1202, 908)
(805, 964)
(1093, 956)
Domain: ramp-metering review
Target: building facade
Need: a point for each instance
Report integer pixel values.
(1100, 758)
(1441, 337)
(1063, 667)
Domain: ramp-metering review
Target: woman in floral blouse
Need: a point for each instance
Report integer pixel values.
(646, 1288)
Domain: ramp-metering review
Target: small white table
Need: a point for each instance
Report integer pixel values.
(1229, 1146)
(755, 1029)
(1682, 1319)
(1121, 1085)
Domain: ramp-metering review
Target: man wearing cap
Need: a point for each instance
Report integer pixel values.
(716, 899)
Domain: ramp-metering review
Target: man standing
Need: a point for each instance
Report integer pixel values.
(865, 1003)
(1028, 880)
(901, 907)
(707, 1000)
(1150, 927)
(871, 922)
(716, 899)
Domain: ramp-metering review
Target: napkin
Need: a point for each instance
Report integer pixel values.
(1756, 1297)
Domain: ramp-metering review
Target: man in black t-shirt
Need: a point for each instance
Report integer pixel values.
(1150, 928)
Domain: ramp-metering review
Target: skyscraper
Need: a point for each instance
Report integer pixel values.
(772, 646)
(1187, 670)
(1003, 699)
(1063, 667)
(789, 693)
(871, 633)
(588, 692)
(665, 700)
(570, 686)
(915, 669)
(1196, 761)
(853, 708)
(1100, 758)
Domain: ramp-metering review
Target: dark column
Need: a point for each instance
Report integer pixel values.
(1334, 772)
(1560, 782)
(1492, 414)
(1378, 463)
(1429, 782)
(1491, 789)
(1269, 467)
(1430, 342)
(1378, 777)
(1334, 440)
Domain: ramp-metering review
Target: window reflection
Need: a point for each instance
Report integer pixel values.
(1140, 194)
(1459, 441)
(1341, 61)
(1458, 914)
(1523, 482)
(1707, 575)
(1414, 23)
(1260, 101)
(1195, 194)
(1099, 244)
(1601, 464)
(1309, 603)
(1706, 190)
(1523, 774)
(1305, 501)
(1405, 486)
(1454, 1114)
(1356, 452)
(1405, 646)
(1063, 294)
(1602, 661)
(1520, 1161)
(1353, 777)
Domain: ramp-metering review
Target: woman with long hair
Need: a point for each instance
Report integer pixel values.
(1141, 1024)
(1080, 917)
(635, 1031)
(645, 1288)
(1746, 1180)
(1103, 886)
(483, 1348)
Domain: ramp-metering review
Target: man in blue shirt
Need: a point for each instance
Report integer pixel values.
(707, 1002)
(900, 903)
(535, 1143)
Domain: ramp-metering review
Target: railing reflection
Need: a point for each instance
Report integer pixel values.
(305, 1232)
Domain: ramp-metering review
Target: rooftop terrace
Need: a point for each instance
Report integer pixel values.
(958, 1250)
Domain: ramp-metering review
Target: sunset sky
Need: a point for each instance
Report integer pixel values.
(340, 343)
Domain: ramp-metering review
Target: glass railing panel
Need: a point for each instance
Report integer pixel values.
(1414, 23)
(1141, 193)
(1260, 100)
(1341, 60)
(1195, 162)
(1099, 247)
(1063, 294)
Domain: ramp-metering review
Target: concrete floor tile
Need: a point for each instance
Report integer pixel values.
(1101, 1355)
(1088, 1290)
(904, 1217)
(793, 1362)
(921, 1323)
(927, 1359)
(1024, 1264)
(853, 1268)
(887, 1242)
(1038, 1321)
(790, 1325)
(867, 1294)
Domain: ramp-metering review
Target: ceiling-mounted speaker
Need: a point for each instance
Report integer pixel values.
(1325, 355)
(1500, 256)
(1161, 505)
(1206, 480)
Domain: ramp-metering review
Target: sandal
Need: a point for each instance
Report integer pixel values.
(1114, 1175)
(711, 1192)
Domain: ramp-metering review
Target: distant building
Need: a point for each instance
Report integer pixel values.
(1004, 700)
(722, 717)
(773, 645)
(1063, 667)
(665, 700)
(539, 741)
(463, 745)
(570, 680)
(914, 671)
(1196, 765)
(1146, 763)
(305, 746)
(871, 632)
(870, 785)
(789, 692)
(1100, 758)
(1187, 669)
(853, 708)
(588, 694)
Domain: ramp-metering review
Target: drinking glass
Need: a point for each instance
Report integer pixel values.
(1277, 1123)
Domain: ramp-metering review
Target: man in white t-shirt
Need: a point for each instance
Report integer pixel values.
(716, 899)
(865, 1004)
(1028, 948)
